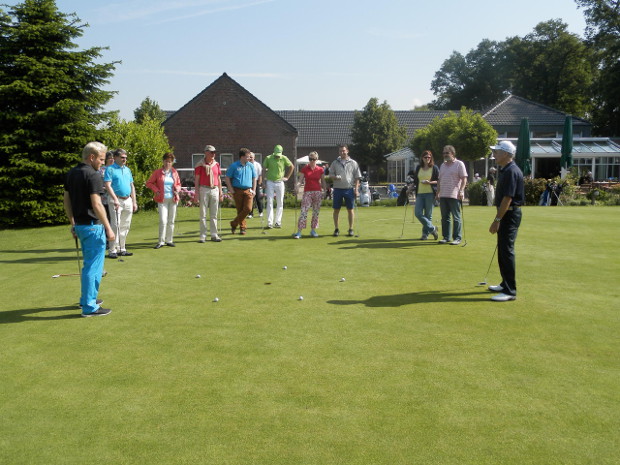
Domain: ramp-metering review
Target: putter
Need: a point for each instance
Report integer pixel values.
(404, 219)
(484, 281)
(77, 251)
(118, 228)
(356, 219)
(67, 274)
(463, 221)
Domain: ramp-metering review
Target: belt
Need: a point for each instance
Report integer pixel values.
(124, 198)
(209, 187)
(87, 223)
(513, 208)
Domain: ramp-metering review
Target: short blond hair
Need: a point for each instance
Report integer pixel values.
(93, 148)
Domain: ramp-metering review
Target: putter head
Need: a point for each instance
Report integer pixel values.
(56, 276)
(464, 243)
(482, 283)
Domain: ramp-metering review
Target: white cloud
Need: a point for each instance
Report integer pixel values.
(158, 12)
(176, 72)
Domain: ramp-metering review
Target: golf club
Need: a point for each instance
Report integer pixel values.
(463, 224)
(67, 274)
(484, 281)
(295, 205)
(404, 219)
(77, 251)
(219, 218)
(118, 229)
(356, 218)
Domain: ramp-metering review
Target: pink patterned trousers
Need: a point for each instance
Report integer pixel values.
(310, 199)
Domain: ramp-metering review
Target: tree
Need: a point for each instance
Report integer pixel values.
(149, 109)
(376, 133)
(468, 132)
(476, 80)
(554, 67)
(603, 35)
(549, 65)
(50, 104)
(145, 143)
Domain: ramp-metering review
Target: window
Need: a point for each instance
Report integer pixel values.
(607, 168)
(226, 159)
(196, 157)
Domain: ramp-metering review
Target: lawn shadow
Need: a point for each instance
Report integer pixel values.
(357, 243)
(398, 300)
(23, 314)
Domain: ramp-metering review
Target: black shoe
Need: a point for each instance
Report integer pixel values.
(170, 244)
(112, 255)
(277, 225)
(126, 254)
(336, 232)
(100, 312)
(158, 246)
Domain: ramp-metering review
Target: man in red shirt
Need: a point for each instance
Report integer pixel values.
(209, 189)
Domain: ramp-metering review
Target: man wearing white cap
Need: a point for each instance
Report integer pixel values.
(509, 197)
(275, 166)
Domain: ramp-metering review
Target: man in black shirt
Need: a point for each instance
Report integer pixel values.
(89, 222)
(509, 197)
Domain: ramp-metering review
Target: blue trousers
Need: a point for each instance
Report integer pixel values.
(93, 242)
(424, 211)
(451, 213)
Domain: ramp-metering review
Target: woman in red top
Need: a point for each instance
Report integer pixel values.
(166, 185)
(313, 194)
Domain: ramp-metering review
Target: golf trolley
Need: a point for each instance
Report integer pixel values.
(365, 195)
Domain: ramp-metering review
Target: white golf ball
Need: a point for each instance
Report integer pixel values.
(342, 279)
(198, 276)
(284, 267)
(301, 297)
(216, 299)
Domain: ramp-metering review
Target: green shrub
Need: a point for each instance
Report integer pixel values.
(534, 189)
(476, 194)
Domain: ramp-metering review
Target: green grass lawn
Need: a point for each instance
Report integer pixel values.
(405, 362)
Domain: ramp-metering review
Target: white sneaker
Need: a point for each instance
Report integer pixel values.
(435, 233)
(497, 288)
(443, 241)
(503, 297)
(455, 242)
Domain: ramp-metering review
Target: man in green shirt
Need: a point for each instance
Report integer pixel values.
(277, 169)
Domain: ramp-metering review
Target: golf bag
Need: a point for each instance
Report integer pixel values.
(365, 191)
(403, 197)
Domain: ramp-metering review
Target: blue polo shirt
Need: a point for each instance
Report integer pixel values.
(510, 184)
(241, 176)
(121, 179)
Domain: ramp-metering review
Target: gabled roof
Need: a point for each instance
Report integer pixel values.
(402, 154)
(330, 128)
(225, 79)
(512, 109)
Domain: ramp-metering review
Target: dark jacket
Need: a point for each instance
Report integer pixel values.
(434, 177)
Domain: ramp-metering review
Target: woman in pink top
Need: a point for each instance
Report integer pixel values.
(166, 185)
(313, 194)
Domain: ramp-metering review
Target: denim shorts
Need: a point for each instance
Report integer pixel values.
(347, 195)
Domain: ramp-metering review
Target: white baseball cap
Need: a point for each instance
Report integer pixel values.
(505, 146)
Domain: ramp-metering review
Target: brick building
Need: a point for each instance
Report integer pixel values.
(228, 117)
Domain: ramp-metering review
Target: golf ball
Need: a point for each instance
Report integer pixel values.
(216, 299)
(284, 268)
(301, 297)
(342, 279)
(198, 276)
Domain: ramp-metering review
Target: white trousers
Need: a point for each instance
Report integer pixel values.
(209, 198)
(167, 214)
(277, 188)
(490, 195)
(125, 211)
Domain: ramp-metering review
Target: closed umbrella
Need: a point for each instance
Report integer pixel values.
(566, 161)
(523, 158)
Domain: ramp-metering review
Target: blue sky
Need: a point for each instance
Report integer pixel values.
(297, 54)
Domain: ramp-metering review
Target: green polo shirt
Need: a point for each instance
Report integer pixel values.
(276, 167)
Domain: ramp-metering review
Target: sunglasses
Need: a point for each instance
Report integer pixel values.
(313, 159)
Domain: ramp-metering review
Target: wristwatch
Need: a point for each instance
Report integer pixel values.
(497, 220)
